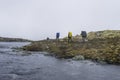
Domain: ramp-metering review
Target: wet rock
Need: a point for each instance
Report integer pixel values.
(48, 54)
(102, 62)
(78, 57)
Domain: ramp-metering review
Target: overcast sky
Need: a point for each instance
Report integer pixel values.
(38, 19)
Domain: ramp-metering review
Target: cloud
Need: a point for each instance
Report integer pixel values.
(38, 19)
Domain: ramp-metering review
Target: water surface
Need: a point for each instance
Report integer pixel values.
(21, 65)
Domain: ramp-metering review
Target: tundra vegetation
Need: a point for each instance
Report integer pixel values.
(102, 46)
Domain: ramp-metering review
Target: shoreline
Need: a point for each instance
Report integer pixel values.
(98, 50)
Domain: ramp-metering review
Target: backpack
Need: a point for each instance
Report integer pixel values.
(57, 35)
(70, 34)
(84, 34)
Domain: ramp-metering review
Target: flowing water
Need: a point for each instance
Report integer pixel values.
(21, 65)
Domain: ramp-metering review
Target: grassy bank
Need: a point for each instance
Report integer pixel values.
(106, 49)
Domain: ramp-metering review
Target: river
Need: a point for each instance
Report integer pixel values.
(22, 65)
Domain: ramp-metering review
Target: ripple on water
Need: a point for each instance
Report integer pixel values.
(8, 76)
(14, 65)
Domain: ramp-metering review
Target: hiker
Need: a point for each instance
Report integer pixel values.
(69, 37)
(84, 35)
(57, 36)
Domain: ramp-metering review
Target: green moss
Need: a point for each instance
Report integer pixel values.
(102, 48)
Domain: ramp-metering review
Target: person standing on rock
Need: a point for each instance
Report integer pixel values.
(84, 35)
(69, 37)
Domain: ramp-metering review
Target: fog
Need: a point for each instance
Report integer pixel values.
(38, 19)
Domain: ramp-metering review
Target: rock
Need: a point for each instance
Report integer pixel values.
(78, 57)
(47, 54)
(102, 62)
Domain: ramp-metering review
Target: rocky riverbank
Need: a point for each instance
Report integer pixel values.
(98, 49)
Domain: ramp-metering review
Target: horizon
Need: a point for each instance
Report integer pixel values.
(38, 19)
(53, 37)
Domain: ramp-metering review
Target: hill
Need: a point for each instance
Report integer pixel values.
(104, 34)
(102, 47)
(5, 39)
